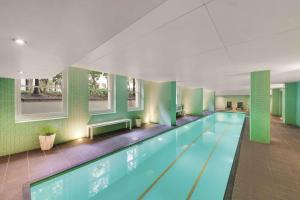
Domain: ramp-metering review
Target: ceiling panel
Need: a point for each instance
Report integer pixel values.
(188, 49)
(155, 20)
(279, 53)
(61, 32)
(213, 44)
(165, 48)
(244, 20)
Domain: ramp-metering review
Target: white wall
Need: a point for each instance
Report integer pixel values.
(221, 101)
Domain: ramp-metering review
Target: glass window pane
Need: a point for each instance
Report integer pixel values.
(131, 86)
(134, 93)
(99, 92)
(41, 95)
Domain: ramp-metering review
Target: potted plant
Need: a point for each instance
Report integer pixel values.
(47, 138)
(138, 122)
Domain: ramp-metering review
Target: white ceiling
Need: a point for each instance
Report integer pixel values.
(213, 44)
(60, 32)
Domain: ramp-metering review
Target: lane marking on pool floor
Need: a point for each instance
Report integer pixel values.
(190, 194)
(171, 164)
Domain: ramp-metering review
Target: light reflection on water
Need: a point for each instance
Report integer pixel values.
(99, 177)
(132, 158)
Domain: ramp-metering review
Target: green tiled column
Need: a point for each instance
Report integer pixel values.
(260, 107)
(193, 101)
(172, 86)
(276, 102)
(283, 105)
(160, 102)
(212, 102)
(7, 117)
(290, 103)
(280, 102)
(298, 105)
(209, 100)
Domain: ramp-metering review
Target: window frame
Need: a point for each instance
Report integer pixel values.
(19, 117)
(140, 96)
(111, 97)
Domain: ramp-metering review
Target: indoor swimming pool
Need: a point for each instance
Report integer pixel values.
(193, 161)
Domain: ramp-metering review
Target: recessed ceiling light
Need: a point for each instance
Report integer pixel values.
(21, 72)
(19, 41)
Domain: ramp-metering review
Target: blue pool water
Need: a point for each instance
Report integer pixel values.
(190, 162)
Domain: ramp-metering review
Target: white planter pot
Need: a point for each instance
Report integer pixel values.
(138, 122)
(46, 142)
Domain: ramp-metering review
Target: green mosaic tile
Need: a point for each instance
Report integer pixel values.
(260, 107)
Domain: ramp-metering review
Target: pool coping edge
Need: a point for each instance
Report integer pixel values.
(232, 174)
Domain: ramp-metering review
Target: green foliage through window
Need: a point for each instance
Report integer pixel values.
(98, 85)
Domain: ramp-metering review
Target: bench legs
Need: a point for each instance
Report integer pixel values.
(91, 132)
(91, 129)
(130, 125)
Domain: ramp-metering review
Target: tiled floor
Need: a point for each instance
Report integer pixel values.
(15, 170)
(264, 171)
(186, 119)
(269, 171)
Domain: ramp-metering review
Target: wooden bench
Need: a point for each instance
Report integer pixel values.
(107, 123)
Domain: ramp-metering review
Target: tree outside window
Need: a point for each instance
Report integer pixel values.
(100, 92)
(41, 95)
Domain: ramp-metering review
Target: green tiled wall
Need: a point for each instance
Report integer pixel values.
(121, 107)
(260, 107)
(160, 102)
(276, 102)
(18, 137)
(192, 99)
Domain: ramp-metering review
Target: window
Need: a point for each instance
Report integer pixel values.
(41, 98)
(101, 92)
(135, 94)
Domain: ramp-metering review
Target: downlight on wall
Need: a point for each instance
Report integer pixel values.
(19, 41)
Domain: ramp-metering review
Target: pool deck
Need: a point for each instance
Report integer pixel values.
(269, 171)
(263, 171)
(19, 169)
